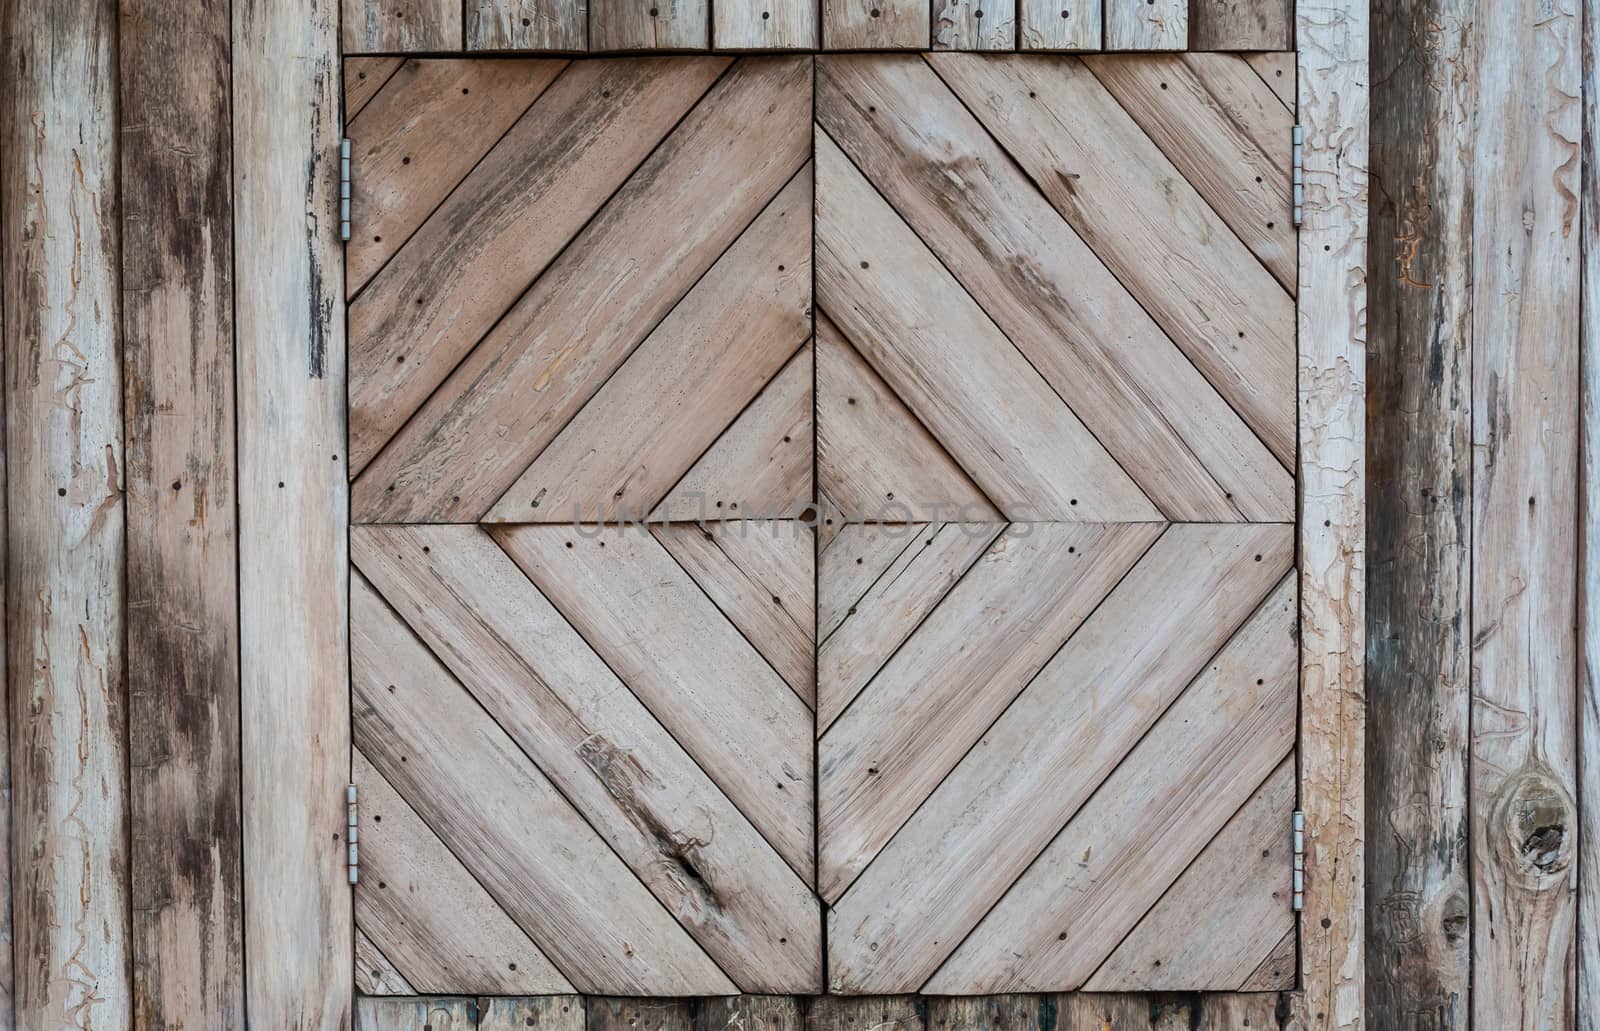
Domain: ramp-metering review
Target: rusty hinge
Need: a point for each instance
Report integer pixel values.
(344, 189)
(1299, 860)
(1297, 157)
(351, 832)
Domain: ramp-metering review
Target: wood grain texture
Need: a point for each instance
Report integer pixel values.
(293, 510)
(415, 1014)
(649, 24)
(1588, 974)
(994, 1012)
(538, 25)
(891, 1013)
(1060, 24)
(1277, 70)
(65, 611)
(1334, 109)
(750, 1013)
(1278, 971)
(363, 78)
(394, 26)
(182, 601)
(546, 1013)
(613, 1014)
(1419, 421)
(765, 24)
(1147, 24)
(876, 24)
(1241, 25)
(974, 25)
(375, 975)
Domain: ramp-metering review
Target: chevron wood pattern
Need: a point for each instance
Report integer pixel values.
(871, 515)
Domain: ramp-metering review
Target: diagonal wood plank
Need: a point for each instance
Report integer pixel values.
(418, 138)
(871, 451)
(959, 671)
(881, 619)
(375, 975)
(1178, 787)
(1226, 915)
(549, 1013)
(1091, 704)
(667, 642)
(392, 25)
(541, 25)
(427, 914)
(605, 751)
(1240, 167)
(1062, 308)
(761, 576)
(363, 78)
(1277, 972)
(1277, 70)
(466, 777)
(424, 1013)
(651, 25)
(850, 564)
(762, 463)
(692, 376)
(1060, 24)
(622, 275)
(1147, 24)
(875, 25)
(505, 223)
(765, 24)
(951, 365)
(1147, 224)
(974, 25)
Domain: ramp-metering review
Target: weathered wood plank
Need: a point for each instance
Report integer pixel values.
(649, 25)
(992, 1012)
(545, 1013)
(876, 24)
(1277, 71)
(539, 25)
(1334, 109)
(1072, 725)
(1419, 418)
(1147, 24)
(1241, 25)
(851, 563)
(364, 77)
(394, 26)
(59, 241)
(293, 569)
(974, 25)
(750, 1013)
(890, 1013)
(1278, 971)
(624, 1014)
(1588, 990)
(765, 24)
(1061, 24)
(375, 975)
(182, 601)
(415, 1014)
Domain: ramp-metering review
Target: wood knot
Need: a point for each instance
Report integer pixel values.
(1531, 826)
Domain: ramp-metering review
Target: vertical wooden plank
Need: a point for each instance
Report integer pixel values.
(764, 24)
(974, 25)
(1332, 298)
(993, 1012)
(1589, 543)
(1241, 25)
(559, 25)
(182, 615)
(1525, 314)
(620, 1014)
(401, 26)
(1147, 24)
(749, 1013)
(7, 972)
(293, 510)
(866, 1013)
(542, 1013)
(1060, 24)
(649, 24)
(419, 1013)
(1418, 947)
(876, 24)
(58, 210)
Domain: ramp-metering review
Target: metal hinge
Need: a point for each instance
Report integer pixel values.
(351, 832)
(344, 193)
(1299, 181)
(1299, 860)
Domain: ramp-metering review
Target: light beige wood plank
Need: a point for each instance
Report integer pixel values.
(1178, 787)
(390, 26)
(684, 384)
(546, 1013)
(1588, 931)
(1231, 1011)
(465, 776)
(837, 1013)
(1277, 71)
(605, 751)
(363, 78)
(966, 663)
(1277, 972)
(1334, 108)
(663, 638)
(948, 362)
(412, 145)
(1237, 91)
(689, 201)
(884, 616)
(375, 975)
(415, 1014)
(994, 1012)
(505, 223)
(761, 576)
(874, 459)
(1129, 384)
(762, 463)
(1147, 24)
(65, 619)
(765, 24)
(424, 910)
(539, 25)
(289, 377)
(1241, 25)
(1217, 152)
(974, 25)
(1061, 24)
(1080, 1011)
(1149, 226)
(876, 25)
(1091, 704)
(857, 556)
(649, 24)
(1228, 911)
(613, 1014)
(750, 1013)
